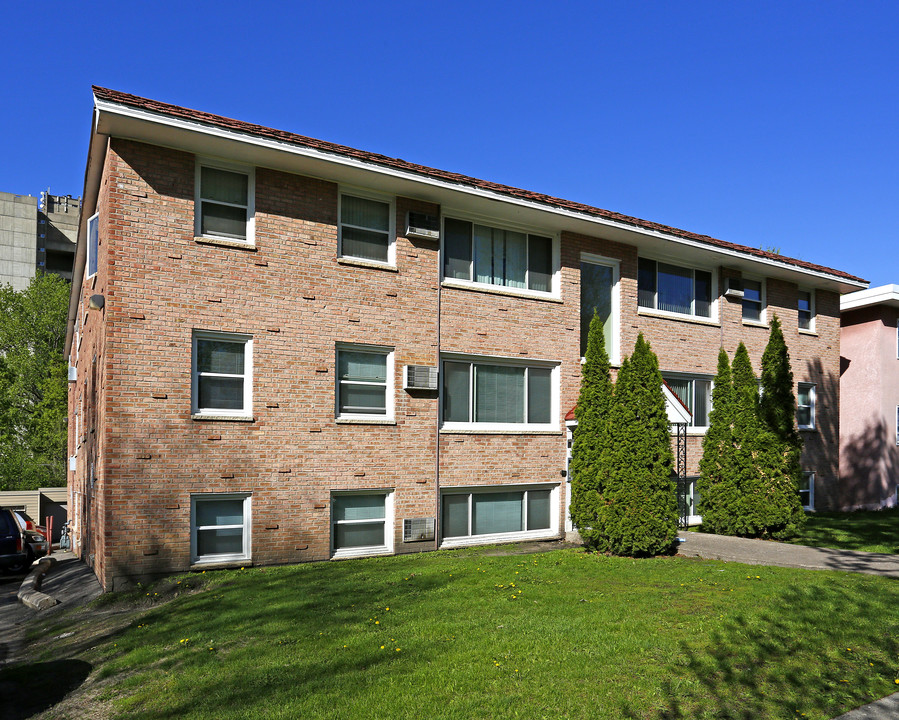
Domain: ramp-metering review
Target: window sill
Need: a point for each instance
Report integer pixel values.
(364, 421)
(812, 333)
(500, 290)
(494, 538)
(374, 265)
(223, 418)
(649, 312)
(225, 242)
(361, 552)
(753, 323)
(499, 431)
(198, 565)
(809, 429)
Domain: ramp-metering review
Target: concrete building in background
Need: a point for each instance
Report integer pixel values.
(869, 392)
(36, 233)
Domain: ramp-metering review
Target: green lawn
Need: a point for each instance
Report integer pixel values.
(871, 531)
(471, 634)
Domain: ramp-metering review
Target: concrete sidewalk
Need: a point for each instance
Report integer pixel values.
(764, 552)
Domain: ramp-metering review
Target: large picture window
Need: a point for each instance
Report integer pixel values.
(486, 514)
(224, 203)
(696, 394)
(364, 382)
(674, 289)
(599, 287)
(487, 393)
(366, 229)
(361, 523)
(222, 374)
(495, 256)
(220, 527)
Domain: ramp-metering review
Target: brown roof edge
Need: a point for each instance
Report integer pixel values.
(395, 163)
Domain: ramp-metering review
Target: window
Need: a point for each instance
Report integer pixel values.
(224, 203)
(696, 394)
(494, 256)
(806, 309)
(361, 523)
(807, 490)
(222, 373)
(364, 382)
(499, 513)
(674, 289)
(366, 229)
(220, 527)
(499, 395)
(599, 292)
(93, 244)
(688, 500)
(805, 406)
(753, 301)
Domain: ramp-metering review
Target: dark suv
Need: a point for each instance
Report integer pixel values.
(15, 553)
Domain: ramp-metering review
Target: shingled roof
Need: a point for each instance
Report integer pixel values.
(198, 116)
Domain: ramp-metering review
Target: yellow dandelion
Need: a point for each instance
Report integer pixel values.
(382, 647)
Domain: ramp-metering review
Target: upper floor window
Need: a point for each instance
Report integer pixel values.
(805, 406)
(222, 374)
(806, 308)
(364, 382)
(753, 301)
(674, 289)
(696, 394)
(599, 294)
(366, 229)
(495, 256)
(224, 203)
(498, 393)
(93, 244)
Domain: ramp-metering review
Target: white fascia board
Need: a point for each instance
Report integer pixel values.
(881, 295)
(323, 165)
(677, 413)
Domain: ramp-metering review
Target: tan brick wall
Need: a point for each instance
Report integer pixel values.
(297, 301)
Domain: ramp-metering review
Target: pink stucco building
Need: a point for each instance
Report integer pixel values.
(869, 398)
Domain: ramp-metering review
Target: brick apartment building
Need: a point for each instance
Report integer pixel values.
(247, 302)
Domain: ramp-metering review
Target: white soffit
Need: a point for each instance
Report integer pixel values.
(882, 295)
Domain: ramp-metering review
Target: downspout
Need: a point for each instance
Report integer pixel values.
(437, 410)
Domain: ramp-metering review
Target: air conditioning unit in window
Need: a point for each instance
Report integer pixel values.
(733, 288)
(422, 226)
(416, 529)
(419, 377)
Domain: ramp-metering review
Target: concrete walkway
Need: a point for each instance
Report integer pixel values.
(764, 552)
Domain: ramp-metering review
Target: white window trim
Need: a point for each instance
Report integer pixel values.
(811, 489)
(246, 555)
(615, 353)
(552, 426)
(250, 172)
(388, 200)
(213, 413)
(387, 547)
(468, 540)
(712, 318)
(763, 310)
(389, 416)
(693, 377)
(813, 389)
(810, 330)
(93, 254)
(556, 281)
(693, 519)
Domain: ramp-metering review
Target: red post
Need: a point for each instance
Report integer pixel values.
(49, 534)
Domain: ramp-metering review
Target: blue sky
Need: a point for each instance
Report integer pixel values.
(770, 124)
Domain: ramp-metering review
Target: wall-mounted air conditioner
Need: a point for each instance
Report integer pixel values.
(419, 377)
(422, 226)
(733, 288)
(73, 373)
(417, 529)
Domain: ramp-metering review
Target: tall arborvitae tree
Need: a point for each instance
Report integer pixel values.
(589, 452)
(715, 486)
(638, 515)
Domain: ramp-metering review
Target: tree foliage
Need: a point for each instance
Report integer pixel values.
(33, 385)
(715, 485)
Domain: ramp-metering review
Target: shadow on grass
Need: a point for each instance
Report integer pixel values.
(865, 530)
(801, 656)
(31, 688)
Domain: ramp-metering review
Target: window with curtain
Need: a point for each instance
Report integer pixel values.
(224, 201)
(695, 394)
(496, 512)
(365, 228)
(220, 527)
(362, 382)
(674, 289)
(222, 381)
(495, 256)
(597, 285)
(506, 394)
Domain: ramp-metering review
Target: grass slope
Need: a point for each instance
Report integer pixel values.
(468, 634)
(869, 531)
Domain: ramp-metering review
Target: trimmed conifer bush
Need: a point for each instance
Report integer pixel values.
(637, 515)
(589, 452)
(716, 488)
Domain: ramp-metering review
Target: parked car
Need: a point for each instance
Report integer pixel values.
(35, 535)
(16, 553)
